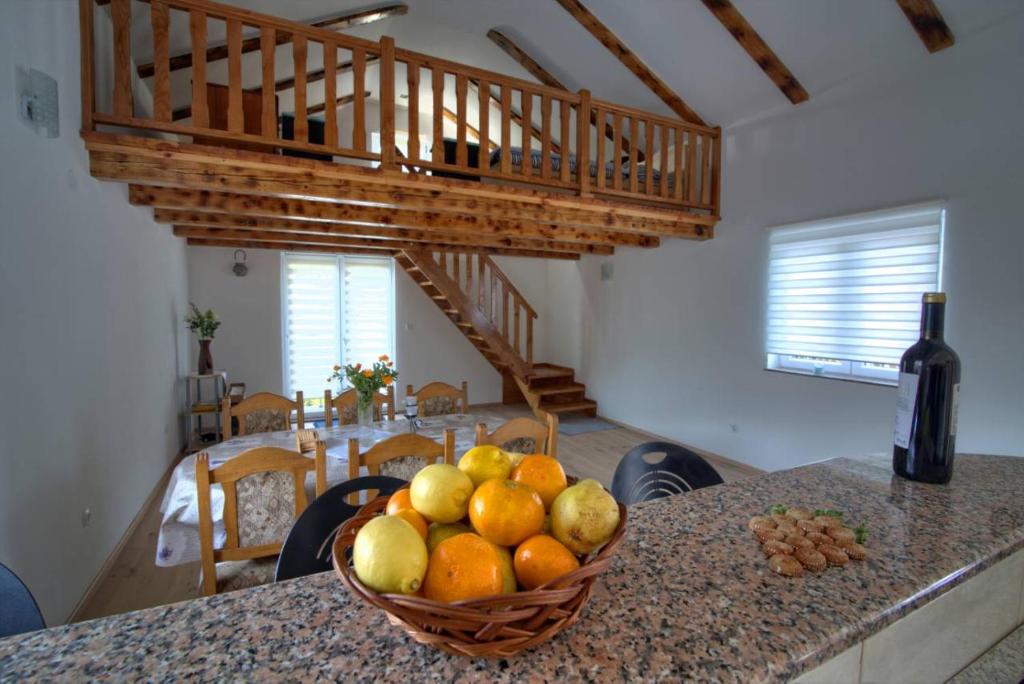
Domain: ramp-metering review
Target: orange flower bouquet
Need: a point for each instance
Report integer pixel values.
(366, 382)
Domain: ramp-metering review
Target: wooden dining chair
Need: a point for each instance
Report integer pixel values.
(523, 436)
(400, 456)
(264, 493)
(262, 412)
(440, 398)
(345, 406)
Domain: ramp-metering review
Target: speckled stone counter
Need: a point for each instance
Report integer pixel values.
(689, 596)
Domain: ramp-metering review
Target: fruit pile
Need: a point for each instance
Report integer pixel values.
(497, 523)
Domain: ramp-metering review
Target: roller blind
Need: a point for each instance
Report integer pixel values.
(336, 309)
(850, 288)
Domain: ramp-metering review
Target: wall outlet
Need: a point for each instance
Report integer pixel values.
(86, 517)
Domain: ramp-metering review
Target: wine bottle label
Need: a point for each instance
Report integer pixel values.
(954, 411)
(906, 397)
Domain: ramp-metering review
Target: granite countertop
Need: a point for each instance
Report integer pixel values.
(689, 596)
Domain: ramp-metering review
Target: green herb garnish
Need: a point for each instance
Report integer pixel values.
(778, 509)
(861, 533)
(828, 511)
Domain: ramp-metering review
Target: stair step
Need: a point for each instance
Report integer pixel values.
(559, 389)
(451, 312)
(567, 407)
(464, 324)
(439, 297)
(475, 338)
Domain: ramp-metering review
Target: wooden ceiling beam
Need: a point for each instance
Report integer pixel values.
(367, 243)
(927, 20)
(337, 22)
(334, 249)
(318, 75)
(285, 246)
(170, 164)
(453, 118)
(630, 60)
(288, 208)
(737, 25)
(341, 102)
(214, 220)
(520, 55)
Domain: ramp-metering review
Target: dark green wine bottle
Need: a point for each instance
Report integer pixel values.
(924, 438)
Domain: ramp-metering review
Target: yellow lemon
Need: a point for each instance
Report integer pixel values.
(485, 462)
(438, 532)
(440, 493)
(584, 516)
(390, 556)
(515, 457)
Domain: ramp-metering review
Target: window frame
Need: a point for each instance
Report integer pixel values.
(316, 407)
(840, 369)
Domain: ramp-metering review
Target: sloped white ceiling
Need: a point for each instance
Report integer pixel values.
(823, 42)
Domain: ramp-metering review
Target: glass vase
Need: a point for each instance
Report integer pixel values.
(364, 409)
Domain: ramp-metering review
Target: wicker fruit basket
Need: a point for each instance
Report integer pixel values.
(495, 627)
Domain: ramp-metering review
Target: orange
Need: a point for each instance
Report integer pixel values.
(399, 501)
(544, 474)
(461, 568)
(414, 519)
(541, 559)
(506, 512)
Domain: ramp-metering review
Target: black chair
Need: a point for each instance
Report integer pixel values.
(18, 609)
(307, 548)
(679, 471)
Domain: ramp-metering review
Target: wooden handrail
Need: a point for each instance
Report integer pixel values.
(513, 290)
(568, 141)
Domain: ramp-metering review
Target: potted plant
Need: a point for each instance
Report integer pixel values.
(204, 325)
(366, 382)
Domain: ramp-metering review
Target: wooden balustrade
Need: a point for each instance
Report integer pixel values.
(488, 288)
(482, 124)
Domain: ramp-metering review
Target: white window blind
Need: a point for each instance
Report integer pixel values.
(336, 309)
(849, 289)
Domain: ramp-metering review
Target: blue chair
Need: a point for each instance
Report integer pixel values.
(307, 548)
(18, 609)
(678, 471)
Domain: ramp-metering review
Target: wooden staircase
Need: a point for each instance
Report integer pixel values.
(481, 301)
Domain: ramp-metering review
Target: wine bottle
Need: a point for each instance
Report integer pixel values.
(924, 437)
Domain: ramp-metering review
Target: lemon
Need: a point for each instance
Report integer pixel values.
(515, 458)
(438, 532)
(584, 516)
(440, 493)
(390, 556)
(485, 462)
(508, 573)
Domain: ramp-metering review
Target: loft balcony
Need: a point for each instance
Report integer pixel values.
(378, 148)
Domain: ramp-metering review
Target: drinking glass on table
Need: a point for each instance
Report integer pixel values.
(411, 411)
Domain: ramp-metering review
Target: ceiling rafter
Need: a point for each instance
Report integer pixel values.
(337, 22)
(927, 20)
(280, 207)
(352, 241)
(214, 220)
(340, 102)
(630, 60)
(291, 245)
(737, 25)
(524, 59)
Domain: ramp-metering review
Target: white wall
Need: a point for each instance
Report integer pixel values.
(674, 343)
(91, 329)
(428, 346)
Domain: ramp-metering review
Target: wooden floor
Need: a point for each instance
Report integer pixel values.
(134, 582)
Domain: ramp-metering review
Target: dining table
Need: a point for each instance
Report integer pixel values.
(178, 538)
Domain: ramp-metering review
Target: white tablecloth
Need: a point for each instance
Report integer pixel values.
(178, 541)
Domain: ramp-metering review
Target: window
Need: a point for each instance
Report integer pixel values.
(844, 295)
(336, 309)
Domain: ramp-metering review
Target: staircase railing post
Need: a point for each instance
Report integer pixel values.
(387, 104)
(583, 115)
(88, 73)
(529, 341)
